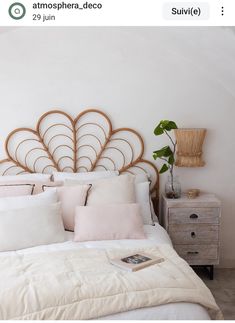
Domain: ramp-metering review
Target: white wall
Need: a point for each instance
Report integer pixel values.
(138, 76)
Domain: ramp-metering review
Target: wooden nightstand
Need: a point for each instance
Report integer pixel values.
(193, 225)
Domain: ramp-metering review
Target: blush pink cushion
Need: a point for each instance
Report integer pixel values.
(108, 222)
(70, 197)
(38, 183)
(16, 190)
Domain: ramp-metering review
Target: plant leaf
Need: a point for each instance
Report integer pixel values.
(167, 151)
(170, 125)
(163, 152)
(158, 130)
(163, 169)
(158, 153)
(171, 159)
(164, 123)
(167, 125)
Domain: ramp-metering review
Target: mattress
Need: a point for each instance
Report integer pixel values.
(156, 235)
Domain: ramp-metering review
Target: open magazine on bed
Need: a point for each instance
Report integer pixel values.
(136, 261)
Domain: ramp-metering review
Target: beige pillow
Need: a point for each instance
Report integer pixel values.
(116, 190)
(32, 226)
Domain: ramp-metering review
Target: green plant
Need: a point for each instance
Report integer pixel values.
(166, 153)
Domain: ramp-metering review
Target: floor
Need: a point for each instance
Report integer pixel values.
(223, 289)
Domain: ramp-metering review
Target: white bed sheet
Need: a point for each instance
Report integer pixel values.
(156, 235)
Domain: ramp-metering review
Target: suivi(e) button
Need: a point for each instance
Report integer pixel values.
(186, 11)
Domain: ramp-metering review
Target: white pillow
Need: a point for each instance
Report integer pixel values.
(61, 176)
(27, 177)
(141, 178)
(31, 226)
(116, 190)
(154, 215)
(143, 198)
(18, 202)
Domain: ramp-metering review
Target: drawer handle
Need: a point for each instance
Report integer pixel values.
(193, 234)
(193, 216)
(192, 252)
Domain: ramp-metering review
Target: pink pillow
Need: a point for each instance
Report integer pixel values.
(16, 190)
(108, 222)
(70, 197)
(38, 184)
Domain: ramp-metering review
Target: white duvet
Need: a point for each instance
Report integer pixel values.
(20, 273)
(156, 235)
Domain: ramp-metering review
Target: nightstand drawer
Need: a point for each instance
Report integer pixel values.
(197, 252)
(194, 215)
(194, 234)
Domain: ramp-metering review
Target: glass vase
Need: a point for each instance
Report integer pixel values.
(173, 188)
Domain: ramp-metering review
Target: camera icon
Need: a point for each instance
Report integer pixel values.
(17, 11)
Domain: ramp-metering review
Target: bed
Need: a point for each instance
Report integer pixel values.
(156, 235)
(30, 151)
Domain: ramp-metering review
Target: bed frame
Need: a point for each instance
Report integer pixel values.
(86, 143)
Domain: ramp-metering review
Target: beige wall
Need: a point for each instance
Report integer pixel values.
(138, 76)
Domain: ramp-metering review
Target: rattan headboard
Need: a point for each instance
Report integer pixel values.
(86, 143)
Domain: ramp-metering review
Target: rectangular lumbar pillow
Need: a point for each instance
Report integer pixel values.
(16, 190)
(70, 197)
(115, 190)
(17, 202)
(38, 180)
(84, 176)
(31, 226)
(24, 177)
(108, 222)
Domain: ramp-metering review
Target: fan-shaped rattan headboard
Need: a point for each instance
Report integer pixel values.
(86, 143)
